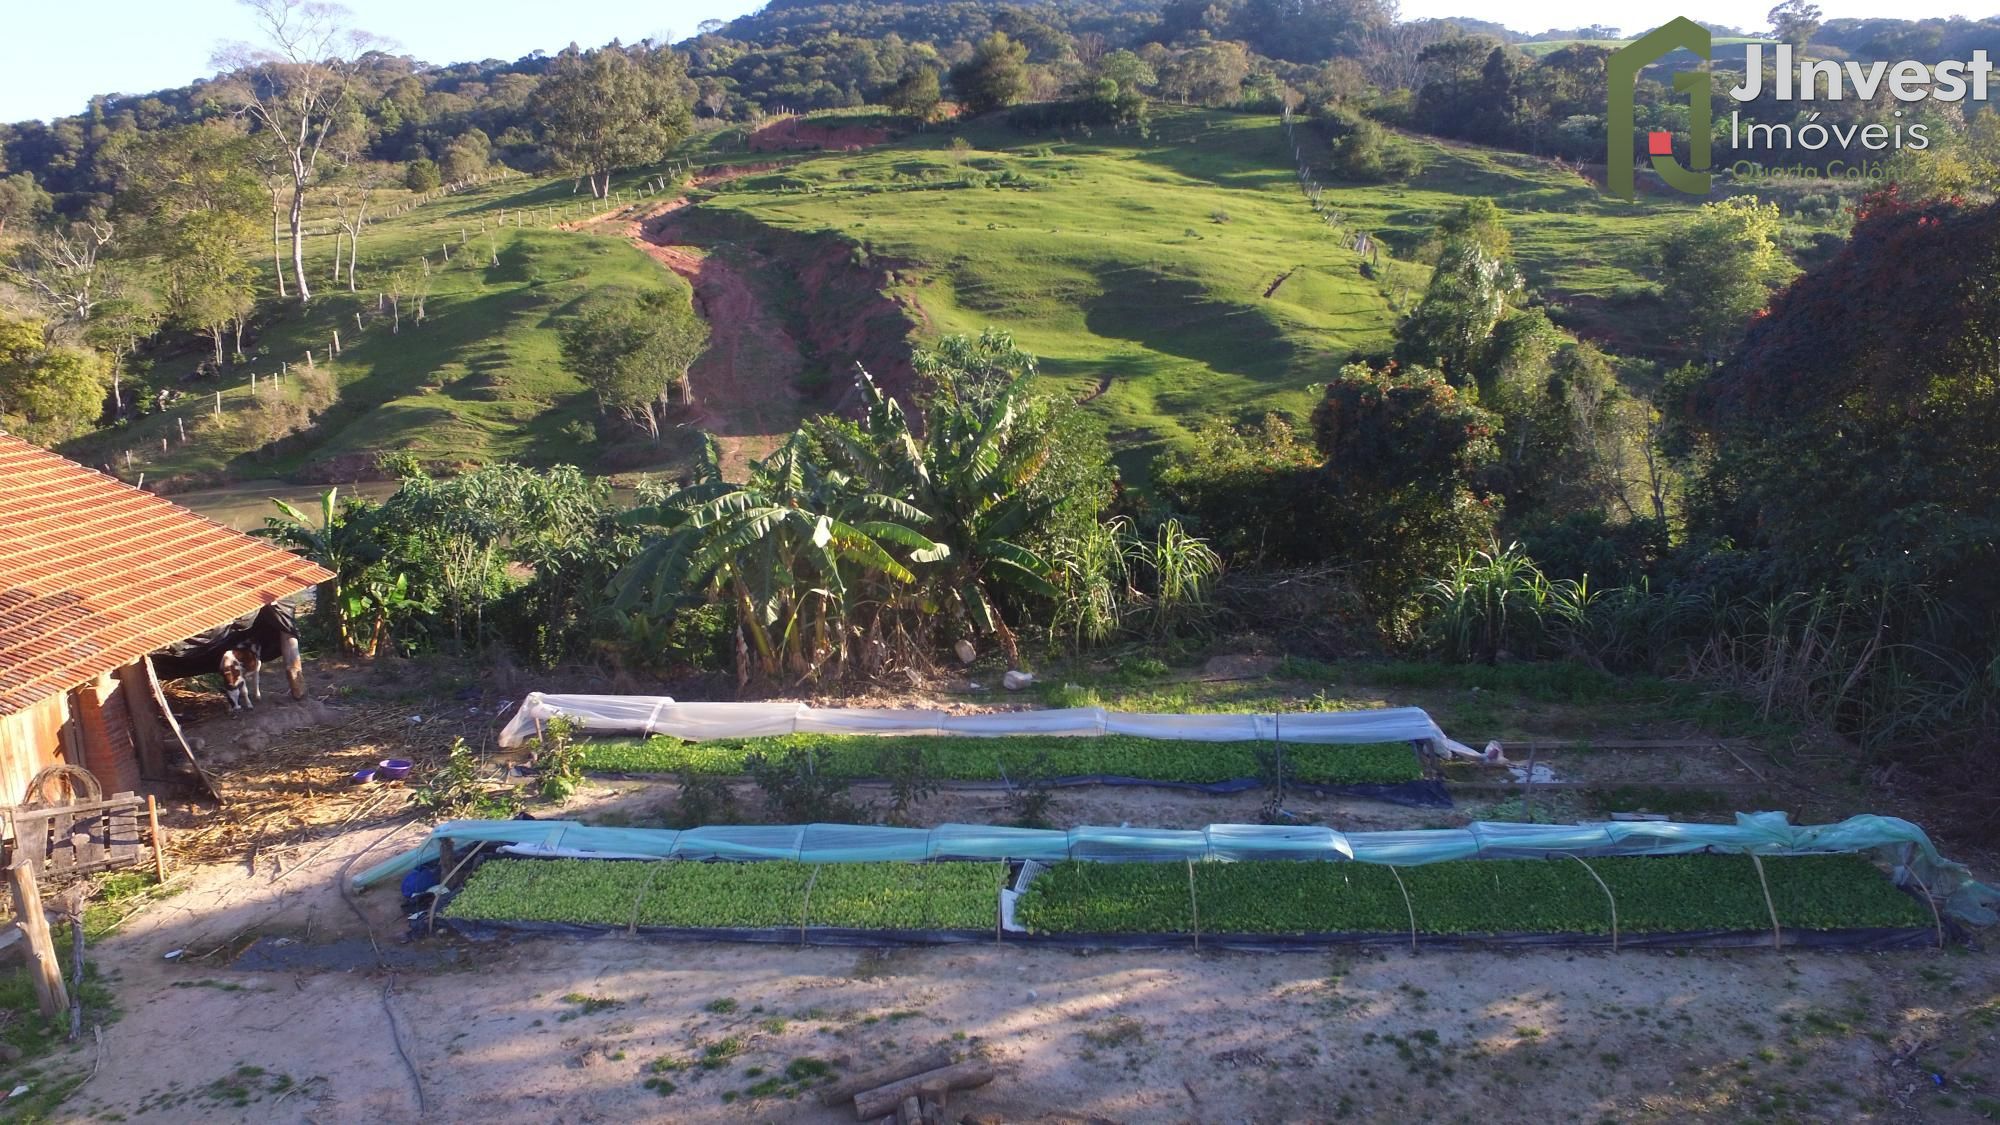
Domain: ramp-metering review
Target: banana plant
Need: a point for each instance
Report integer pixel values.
(785, 548)
(338, 540)
(971, 472)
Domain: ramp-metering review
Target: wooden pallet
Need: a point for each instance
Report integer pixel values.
(88, 836)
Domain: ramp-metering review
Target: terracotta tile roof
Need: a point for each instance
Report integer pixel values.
(95, 573)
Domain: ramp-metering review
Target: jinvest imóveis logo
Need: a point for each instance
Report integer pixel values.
(1622, 74)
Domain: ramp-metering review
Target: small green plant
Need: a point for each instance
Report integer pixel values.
(704, 799)
(1119, 1031)
(559, 760)
(906, 764)
(586, 1005)
(1031, 789)
(800, 788)
(721, 1007)
(1276, 774)
(716, 1055)
(455, 791)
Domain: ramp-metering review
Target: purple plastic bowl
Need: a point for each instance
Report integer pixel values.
(363, 777)
(392, 769)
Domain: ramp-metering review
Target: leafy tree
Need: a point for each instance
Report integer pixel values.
(1211, 74)
(916, 95)
(1361, 150)
(51, 392)
(466, 158)
(995, 77)
(1476, 220)
(1254, 491)
(1855, 431)
(1562, 421)
(973, 371)
(1452, 325)
(1795, 22)
(422, 175)
(1717, 269)
(1128, 70)
(612, 108)
(341, 540)
(1402, 450)
(634, 350)
(196, 192)
(22, 201)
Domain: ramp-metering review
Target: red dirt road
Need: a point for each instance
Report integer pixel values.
(746, 383)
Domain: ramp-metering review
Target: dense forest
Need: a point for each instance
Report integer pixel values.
(1786, 487)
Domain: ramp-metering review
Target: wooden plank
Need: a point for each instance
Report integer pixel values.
(91, 836)
(159, 841)
(176, 740)
(61, 855)
(870, 1104)
(844, 1090)
(51, 995)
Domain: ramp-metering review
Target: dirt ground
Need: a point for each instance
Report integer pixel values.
(259, 990)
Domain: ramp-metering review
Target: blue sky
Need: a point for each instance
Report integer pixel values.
(52, 61)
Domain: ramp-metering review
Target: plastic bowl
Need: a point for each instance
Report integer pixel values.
(392, 769)
(363, 777)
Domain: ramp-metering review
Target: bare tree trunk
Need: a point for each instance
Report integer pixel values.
(239, 336)
(337, 232)
(354, 240)
(215, 337)
(299, 236)
(277, 245)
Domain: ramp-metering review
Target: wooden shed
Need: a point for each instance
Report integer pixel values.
(94, 575)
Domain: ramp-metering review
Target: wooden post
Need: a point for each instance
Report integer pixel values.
(159, 841)
(43, 969)
(218, 404)
(253, 384)
(336, 343)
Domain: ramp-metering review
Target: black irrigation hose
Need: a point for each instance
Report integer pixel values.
(1426, 794)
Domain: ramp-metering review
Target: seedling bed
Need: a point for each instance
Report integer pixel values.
(1839, 901)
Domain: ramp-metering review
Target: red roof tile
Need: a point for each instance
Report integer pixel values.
(95, 574)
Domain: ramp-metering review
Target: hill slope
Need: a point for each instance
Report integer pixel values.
(1163, 278)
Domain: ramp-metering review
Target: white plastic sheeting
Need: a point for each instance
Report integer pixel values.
(650, 715)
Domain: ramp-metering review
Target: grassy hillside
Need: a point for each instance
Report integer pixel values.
(1141, 265)
(478, 379)
(1163, 278)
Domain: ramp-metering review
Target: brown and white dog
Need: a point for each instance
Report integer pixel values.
(243, 674)
(238, 652)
